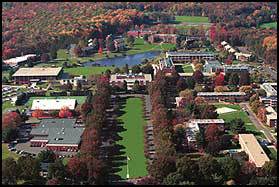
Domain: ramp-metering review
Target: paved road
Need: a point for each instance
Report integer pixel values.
(271, 72)
(259, 125)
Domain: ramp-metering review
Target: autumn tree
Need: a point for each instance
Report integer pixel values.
(199, 100)
(221, 89)
(262, 114)
(244, 78)
(44, 58)
(11, 119)
(37, 113)
(65, 113)
(9, 171)
(161, 167)
(78, 169)
(77, 51)
(246, 89)
(53, 181)
(187, 94)
(181, 84)
(109, 44)
(219, 80)
(198, 76)
(212, 133)
(233, 79)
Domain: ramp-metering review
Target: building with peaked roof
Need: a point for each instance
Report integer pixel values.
(24, 75)
(57, 134)
(211, 66)
(53, 104)
(251, 146)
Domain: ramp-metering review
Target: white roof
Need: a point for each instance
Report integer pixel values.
(227, 47)
(16, 60)
(206, 121)
(253, 149)
(220, 93)
(224, 43)
(37, 72)
(53, 104)
(269, 88)
(272, 114)
(232, 50)
(242, 54)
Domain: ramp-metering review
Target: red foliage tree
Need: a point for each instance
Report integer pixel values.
(11, 119)
(65, 113)
(44, 57)
(77, 168)
(212, 133)
(77, 51)
(262, 114)
(219, 80)
(37, 113)
(53, 181)
(198, 76)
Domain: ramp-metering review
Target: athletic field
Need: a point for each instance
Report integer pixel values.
(133, 139)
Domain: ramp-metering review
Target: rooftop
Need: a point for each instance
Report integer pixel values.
(221, 93)
(270, 88)
(53, 104)
(37, 72)
(254, 149)
(58, 131)
(189, 53)
(198, 121)
(16, 60)
(271, 113)
(140, 76)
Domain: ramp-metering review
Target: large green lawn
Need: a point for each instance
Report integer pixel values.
(192, 19)
(133, 139)
(6, 153)
(187, 68)
(272, 25)
(241, 115)
(87, 71)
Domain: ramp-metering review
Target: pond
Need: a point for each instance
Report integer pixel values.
(121, 61)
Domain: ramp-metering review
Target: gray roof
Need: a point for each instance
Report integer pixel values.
(190, 53)
(58, 131)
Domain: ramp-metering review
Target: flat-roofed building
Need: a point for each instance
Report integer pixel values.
(227, 47)
(235, 68)
(223, 43)
(14, 62)
(270, 88)
(223, 96)
(188, 56)
(251, 146)
(117, 79)
(57, 135)
(24, 75)
(53, 104)
(271, 117)
(269, 101)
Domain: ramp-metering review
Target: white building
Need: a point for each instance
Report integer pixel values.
(223, 43)
(74, 80)
(227, 47)
(251, 146)
(13, 62)
(242, 56)
(270, 89)
(53, 104)
(143, 79)
(188, 56)
(271, 117)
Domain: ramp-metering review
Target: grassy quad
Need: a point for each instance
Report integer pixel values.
(133, 139)
(6, 153)
(272, 25)
(187, 68)
(192, 19)
(87, 71)
(239, 114)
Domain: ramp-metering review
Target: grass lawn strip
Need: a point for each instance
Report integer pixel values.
(272, 25)
(249, 126)
(6, 153)
(133, 139)
(187, 68)
(87, 71)
(192, 19)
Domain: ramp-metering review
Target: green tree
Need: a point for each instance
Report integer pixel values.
(161, 167)
(5, 80)
(116, 70)
(237, 126)
(126, 69)
(210, 170)
(188, 168)
(9, 171)
(173, 179)
(190, 83)
(136, 87)
(234, 79)
(130, 40)
(270, 168)
(145, 37)
(46, 156)
(57, 170)
(9, 134)
(136, 69)
(230, 168)
(28, 168)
